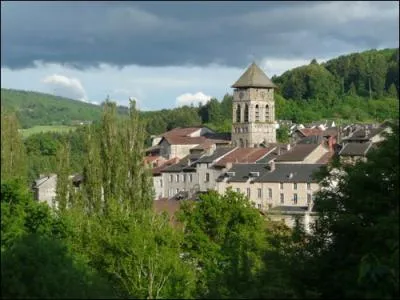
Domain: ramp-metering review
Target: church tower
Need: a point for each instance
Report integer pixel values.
(253, 119)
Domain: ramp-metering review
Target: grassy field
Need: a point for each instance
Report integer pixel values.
(38, 129)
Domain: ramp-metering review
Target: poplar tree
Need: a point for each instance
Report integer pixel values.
(63, 169)
(13, 155)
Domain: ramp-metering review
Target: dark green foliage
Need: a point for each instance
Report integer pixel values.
(40, 267)
(282, 134)
(354, 252)
(224, 235)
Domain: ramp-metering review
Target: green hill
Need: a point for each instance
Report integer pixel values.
(371, 74)
(33, 108)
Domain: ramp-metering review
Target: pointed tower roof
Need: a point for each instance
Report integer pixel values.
(254, 77)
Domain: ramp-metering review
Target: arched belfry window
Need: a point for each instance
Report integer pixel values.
(257, 112)
(238, 114)
(266, 113)
(246, 113)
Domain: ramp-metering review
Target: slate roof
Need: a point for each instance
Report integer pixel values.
(298, 153)
(285, 208)
(254, 77)
(355, 149)
(159, 169)
(217, 154)
(359, 135)
(300, 172)
(244, 155)
(183, 164)
(312, 139)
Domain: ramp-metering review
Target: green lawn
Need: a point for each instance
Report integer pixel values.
(38, 129)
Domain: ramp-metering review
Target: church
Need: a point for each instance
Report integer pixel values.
(253, 119)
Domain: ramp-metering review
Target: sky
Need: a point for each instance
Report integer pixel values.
(169, 54)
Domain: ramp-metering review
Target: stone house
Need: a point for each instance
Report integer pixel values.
(279, 186)
(44, 189)
(179, 141)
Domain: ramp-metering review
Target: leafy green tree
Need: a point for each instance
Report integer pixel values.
(354, 249)
(13, 163)
(141, 256)
(225, 238)
(282, 134)
(63, 172)
(40, 267)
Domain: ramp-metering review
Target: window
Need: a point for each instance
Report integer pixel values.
(248, 192)
(246, 113)
(257, 113)
(308, 186)
(190, 177)
(177, 177)
(207, 177)
(295, 198)
(161, 183)
(238, 190)
(270, 193)
(238, 114)
(295, 186)
(184, 177)
(177, 191)
(259, 206)
(281, 185)
(259, 193)
(171, 178)
(282, 198)
(266, 113)
(308, 198)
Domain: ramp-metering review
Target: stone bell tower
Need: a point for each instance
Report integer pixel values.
(253, 119)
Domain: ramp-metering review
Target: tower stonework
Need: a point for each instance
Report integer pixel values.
(253, 119)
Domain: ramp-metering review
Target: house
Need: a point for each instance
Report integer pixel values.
(44, 189)
(291, 186)
(303, 154)
(354, 152)
(179, 141)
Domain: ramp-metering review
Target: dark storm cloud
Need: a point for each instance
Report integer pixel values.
(85, 34)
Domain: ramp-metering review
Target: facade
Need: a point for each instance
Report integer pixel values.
(272, 185)
(253, 109)
(44, 189)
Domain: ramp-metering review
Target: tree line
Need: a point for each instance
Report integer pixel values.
(105, 241)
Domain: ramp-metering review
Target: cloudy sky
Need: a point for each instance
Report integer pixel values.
(167, 54)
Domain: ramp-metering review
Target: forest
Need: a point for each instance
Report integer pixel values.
(105, 241)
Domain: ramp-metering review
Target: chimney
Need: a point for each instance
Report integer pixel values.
(272, 166)
(366, 131)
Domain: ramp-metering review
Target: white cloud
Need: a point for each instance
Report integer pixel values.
(188, 99)
(66, 87)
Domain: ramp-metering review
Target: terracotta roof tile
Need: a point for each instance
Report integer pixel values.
(244, 155)
(311, 131)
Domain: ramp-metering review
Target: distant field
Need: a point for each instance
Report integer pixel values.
(38, 129)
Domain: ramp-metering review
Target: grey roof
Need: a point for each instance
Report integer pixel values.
(298, 153)
(300, 172)
(185, 164)
(254, 77)
(359, 135)
(286, 208)
(217, 154)
(355, 149)
(312, 139)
